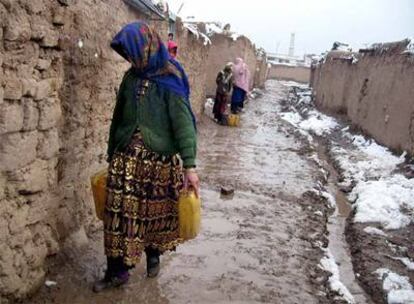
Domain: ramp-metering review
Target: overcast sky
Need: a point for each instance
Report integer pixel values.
(317, 23)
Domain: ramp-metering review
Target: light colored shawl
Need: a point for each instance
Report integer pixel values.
(241, 75)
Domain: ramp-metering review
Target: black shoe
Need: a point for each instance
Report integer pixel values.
(153, 262)
(112, 282)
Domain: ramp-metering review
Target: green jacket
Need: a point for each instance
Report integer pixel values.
(164, 120)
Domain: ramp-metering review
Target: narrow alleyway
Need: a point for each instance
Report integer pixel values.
(259, 246)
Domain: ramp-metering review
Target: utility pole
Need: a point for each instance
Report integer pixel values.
(181, 7)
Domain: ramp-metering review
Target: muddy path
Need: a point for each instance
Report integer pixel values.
(261, 245)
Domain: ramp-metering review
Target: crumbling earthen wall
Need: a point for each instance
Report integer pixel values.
(192, 53)
(293, 73)
(58, 82)
(374, 90)
(57, 90)
(225, 49)
(262, 71)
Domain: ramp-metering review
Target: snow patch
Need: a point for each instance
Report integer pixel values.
(193, 28)
(328, 264)
(49, 283)
(294, 84)
(273, 62)
(406, 261)
(379, 194)
(384, 200)
(398, 287)
(410, 47)
(213, 28)
(330, 199)
(235, 36)
(207, 40)
(318, 123)
(373, 230)
(293, 118)
(368, 161)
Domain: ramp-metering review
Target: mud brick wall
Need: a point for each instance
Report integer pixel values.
(375, 93)
(58, 82)
(56, 99)
(193, 53)
(262, 71)
(292, 73)
(225, 49)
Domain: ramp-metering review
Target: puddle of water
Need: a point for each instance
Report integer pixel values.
(337, 241)
(251, 247)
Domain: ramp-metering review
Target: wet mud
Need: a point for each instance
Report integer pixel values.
(337, 224)
(358, 253)
(259, 245)
(370, 252)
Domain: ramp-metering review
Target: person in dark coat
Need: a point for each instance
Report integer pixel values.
(224, 83)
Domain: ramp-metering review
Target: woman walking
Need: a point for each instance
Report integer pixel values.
(172, 49)
(152, 133)
(241, 85)
(224, 83)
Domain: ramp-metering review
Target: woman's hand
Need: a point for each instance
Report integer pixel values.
(191, 181)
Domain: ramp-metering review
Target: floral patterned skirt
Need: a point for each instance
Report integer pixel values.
(142, 206)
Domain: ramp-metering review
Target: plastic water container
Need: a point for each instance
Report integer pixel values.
(98, 182)
(189, 215)
(233, 120)
(208, 108)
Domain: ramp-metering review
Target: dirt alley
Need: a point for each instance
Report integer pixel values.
(259, 246)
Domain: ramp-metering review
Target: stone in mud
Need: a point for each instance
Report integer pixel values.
(34, 7)
(13, 89)
(50, 114)
(226, 190)
(50, 40)
(43, 89)
(31, 115)
(29, 87)
(59, 16)
(43, 64)
(32, 178)
(40, 28)
(17, 149)
(17, 28)
(11, 117)
(48, 146)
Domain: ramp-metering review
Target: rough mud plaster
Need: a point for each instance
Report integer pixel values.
(376, 93)
(293, 73)
(193, 53)
(225, 49)
(58, 82)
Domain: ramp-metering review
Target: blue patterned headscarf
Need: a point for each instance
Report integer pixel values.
(143, 48)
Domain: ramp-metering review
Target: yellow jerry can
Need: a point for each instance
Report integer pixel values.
(189, 215)
(233, 120)
(98, 182)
